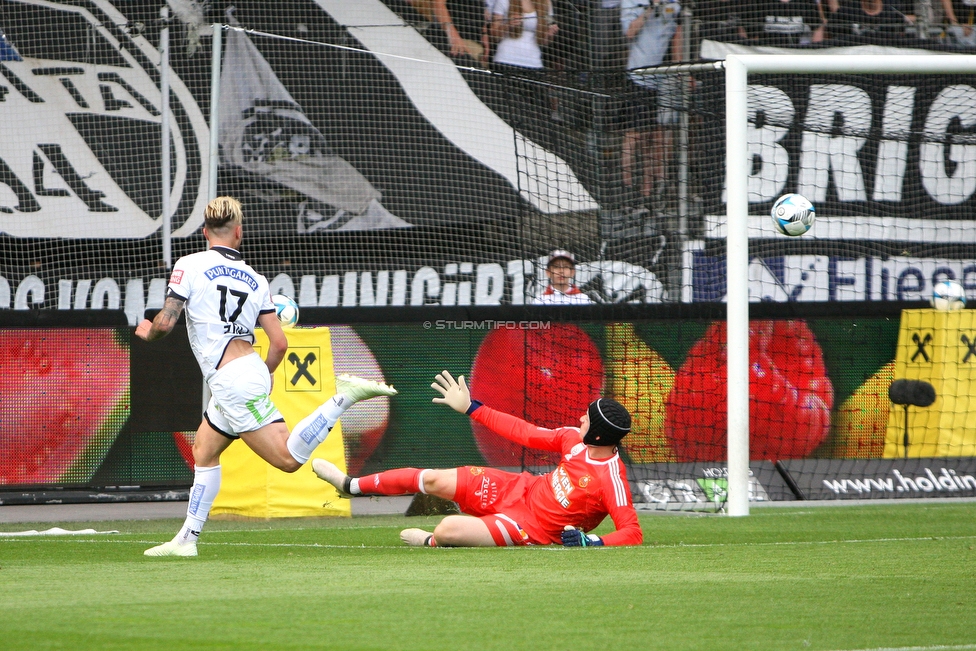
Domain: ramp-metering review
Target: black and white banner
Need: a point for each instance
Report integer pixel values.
(511, 282)
(265, 134)
(80, 130)
(882, 157)
(889, 161)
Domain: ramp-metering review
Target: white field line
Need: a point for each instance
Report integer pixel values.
(265, 529)
(937, 647)
(853, 541)
(795, 543)
(82, 540)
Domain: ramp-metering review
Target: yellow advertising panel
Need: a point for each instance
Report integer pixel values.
(938, 347)
(251, 487)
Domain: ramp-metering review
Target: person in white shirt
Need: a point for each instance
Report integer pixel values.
(652, 29)
(561, 270)
(225, 300)
(518, 31)
(521, 28)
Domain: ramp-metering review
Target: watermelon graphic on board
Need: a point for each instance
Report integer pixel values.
(64, 396)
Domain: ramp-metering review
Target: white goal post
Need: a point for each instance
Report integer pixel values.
(737, 69)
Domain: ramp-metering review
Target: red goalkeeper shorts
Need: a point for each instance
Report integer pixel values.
(496, 497)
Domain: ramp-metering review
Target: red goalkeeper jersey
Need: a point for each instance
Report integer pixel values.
(581, 491)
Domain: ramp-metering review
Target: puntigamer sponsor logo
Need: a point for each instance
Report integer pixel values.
(943, 479)
(221, 271)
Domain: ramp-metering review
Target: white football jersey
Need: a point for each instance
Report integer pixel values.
(224, 297)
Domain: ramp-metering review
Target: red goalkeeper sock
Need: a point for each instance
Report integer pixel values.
(402, 481)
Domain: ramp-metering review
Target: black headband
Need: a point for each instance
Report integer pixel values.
(609, 422)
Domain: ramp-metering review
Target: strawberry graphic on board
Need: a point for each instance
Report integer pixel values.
(790, 395)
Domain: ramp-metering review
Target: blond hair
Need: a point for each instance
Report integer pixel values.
(515, 18)
(222, 214)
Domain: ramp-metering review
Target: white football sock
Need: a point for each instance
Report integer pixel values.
(354, 486)
(314, 428)
(206, 485)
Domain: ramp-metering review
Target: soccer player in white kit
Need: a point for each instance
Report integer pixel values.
(225, 299)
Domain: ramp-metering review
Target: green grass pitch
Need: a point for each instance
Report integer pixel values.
(888, 576)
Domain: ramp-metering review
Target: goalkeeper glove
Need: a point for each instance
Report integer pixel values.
(454, 393)
(573, 537)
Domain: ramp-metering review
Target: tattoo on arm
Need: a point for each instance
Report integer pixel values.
(166, 320)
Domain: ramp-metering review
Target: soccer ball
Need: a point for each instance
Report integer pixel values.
(948, 295)
(792, 214)
(286, 309)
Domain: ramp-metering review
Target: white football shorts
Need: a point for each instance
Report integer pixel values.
(240, 400)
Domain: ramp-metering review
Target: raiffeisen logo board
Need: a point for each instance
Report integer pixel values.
(80, 133)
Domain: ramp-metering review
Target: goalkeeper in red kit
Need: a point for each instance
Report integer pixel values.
(512, 509)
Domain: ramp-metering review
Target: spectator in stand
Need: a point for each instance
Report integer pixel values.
(518, 31)
(651, 27)
(871, 21)
(463, 28)
(561, 270)
(521, 28)
(608, 47)
(721, 20)
(786, 23)
(961, 16)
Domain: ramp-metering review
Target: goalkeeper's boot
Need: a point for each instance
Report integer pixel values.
(416, 537)
(172, 548)
(357, 388)
(330, 473)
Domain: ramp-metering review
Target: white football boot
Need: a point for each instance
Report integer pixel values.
(172, 548)
(329, 472)
(357, 388)
(415, 537)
